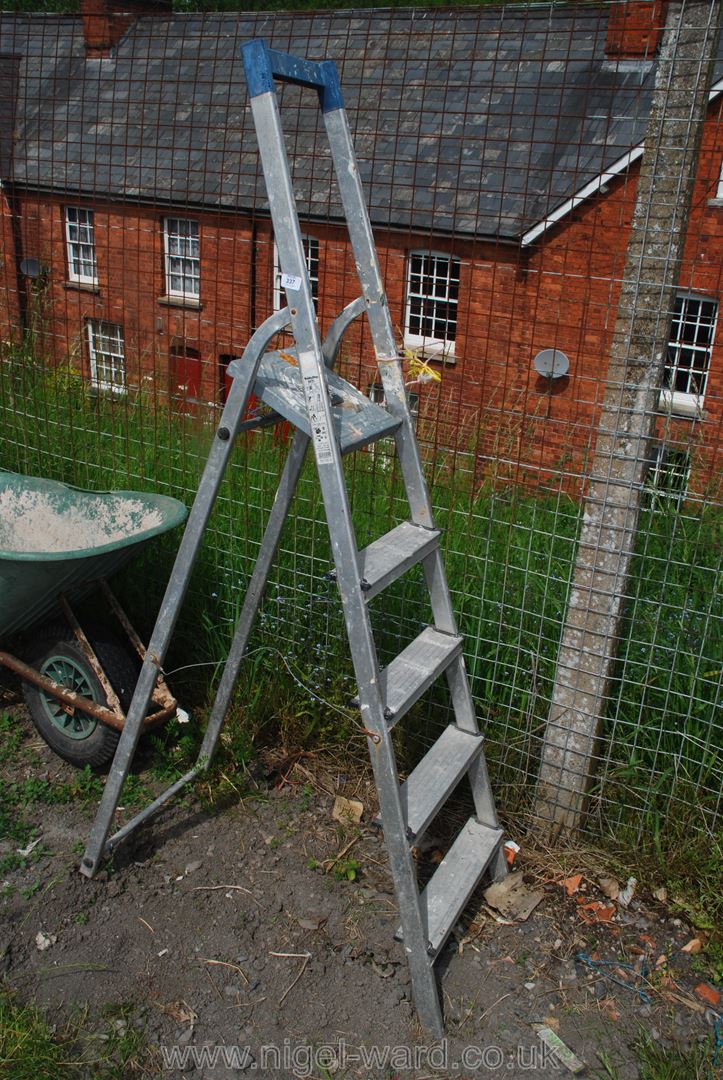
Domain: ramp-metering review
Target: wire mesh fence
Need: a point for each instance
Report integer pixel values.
(500, 150)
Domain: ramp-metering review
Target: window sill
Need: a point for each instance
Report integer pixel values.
(192, 303)
(684, 406)
(715, 202)
(436, 354)
(108, 390)
(83, 286)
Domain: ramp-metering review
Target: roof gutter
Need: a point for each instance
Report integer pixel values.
(154, 202)
(620, 166)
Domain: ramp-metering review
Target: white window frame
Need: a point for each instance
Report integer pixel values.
(182, 257)
(719, 193)
(112, 360)
(311, 257)
(662, 465)
(430, 346)
(676, 401)
(80, 244)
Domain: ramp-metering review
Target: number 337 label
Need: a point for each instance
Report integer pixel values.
(289, 281)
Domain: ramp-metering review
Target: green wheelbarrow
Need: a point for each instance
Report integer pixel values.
(57, 543)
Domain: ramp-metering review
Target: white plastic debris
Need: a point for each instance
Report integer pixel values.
(562, 1053)
(625, 895)
(25, 851)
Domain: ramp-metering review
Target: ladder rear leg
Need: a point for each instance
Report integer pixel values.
(254, 593)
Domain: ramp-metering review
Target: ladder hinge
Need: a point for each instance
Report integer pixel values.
(389, 714)
(364, 585)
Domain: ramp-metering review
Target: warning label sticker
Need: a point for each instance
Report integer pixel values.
(319, 431)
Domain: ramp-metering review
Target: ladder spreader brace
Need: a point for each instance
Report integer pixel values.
(335, 418)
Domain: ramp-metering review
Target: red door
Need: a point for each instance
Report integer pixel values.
(185, 374)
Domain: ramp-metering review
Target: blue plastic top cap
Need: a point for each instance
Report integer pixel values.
(262, 65)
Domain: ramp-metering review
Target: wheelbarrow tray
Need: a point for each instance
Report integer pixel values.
(58, 539)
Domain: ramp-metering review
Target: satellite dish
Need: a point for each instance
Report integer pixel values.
(30, 268)
(551, 364)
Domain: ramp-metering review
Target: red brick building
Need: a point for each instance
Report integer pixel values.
(499, 148)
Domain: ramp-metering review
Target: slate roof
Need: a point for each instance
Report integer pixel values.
(476, 121)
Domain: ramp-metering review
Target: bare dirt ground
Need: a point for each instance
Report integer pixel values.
(230, 927)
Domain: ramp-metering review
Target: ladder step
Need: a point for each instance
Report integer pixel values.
(436, 776)
(357, 420)
(391, 555)
(412, 672)
(415, 669)
(455, 879)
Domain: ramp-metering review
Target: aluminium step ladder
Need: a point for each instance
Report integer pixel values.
(335, 418)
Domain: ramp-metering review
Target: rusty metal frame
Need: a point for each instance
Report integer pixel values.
(87, 649)
(161, 696)
(68, 698)
(111, 715)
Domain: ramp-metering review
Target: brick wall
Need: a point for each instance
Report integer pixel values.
(562, 293)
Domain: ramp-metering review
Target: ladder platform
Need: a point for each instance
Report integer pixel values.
(357, 420)
(430, 784)
(391, 555)
(454, 881)
(415, 669)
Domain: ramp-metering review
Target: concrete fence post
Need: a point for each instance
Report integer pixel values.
(637, 361)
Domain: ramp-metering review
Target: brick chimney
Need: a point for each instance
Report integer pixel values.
(635, 28)
(106, 21)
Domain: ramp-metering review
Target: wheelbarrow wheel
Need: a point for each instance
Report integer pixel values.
(79, 739)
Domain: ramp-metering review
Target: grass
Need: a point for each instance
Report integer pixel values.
(657, 1063)
(31, 1048)
(509, 555)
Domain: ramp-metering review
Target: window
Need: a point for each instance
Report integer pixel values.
(107, 355)
(183, 259)
(719, 192)
(689, 352)
(311, 253)
(80, 238)
(432, 296)
(668, 475)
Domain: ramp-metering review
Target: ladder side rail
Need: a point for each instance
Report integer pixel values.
(331, 476)
(313, 375)
(380, 321)
(220, 453)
